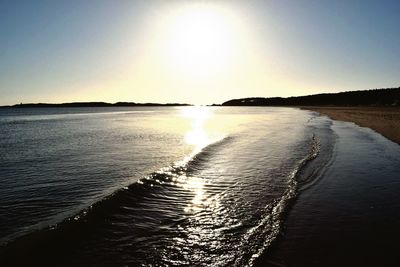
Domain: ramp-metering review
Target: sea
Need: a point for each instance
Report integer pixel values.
(188, 186)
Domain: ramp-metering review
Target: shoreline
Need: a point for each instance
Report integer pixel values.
(349, 217)
(383, 120)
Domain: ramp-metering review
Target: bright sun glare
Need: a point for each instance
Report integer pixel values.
(198, 135)
(200, 41)
(197, 51)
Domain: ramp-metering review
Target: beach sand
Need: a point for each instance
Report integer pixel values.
(384, 120)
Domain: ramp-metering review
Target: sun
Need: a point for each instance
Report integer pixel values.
(200, 41)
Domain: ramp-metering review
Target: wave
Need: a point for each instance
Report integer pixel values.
(271, 225)
(148, 211)
(314, 172)
(309, 171)
(164, 177)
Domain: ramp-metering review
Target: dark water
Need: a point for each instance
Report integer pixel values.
(351, 216)
(157, 186)
(55, 162)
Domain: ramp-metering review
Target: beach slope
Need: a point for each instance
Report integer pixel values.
(384, 120)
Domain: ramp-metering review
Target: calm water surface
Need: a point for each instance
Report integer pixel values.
(188, 186)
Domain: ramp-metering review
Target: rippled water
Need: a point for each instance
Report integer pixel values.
(350, 217)
(153, 186)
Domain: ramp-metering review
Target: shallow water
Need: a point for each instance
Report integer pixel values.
(349, 217)
(153, 186)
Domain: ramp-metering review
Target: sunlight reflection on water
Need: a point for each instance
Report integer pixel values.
(198, 135)
(210, 182)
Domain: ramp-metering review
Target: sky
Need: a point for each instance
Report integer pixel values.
(199, 52)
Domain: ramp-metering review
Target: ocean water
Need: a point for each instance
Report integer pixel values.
(153, 186)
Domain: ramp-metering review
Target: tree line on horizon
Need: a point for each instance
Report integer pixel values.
(373, 97)
(93, 104)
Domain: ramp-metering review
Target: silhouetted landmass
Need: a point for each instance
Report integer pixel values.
(373, 97)
(93, 104)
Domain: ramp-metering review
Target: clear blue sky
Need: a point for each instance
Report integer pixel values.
(65, 51)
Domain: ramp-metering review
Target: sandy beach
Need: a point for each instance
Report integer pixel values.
(384, 120)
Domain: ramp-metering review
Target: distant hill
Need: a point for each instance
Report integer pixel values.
(92, 104)
(373, 97)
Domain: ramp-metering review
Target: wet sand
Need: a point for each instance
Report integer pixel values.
(384, 120)
(350, 216)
